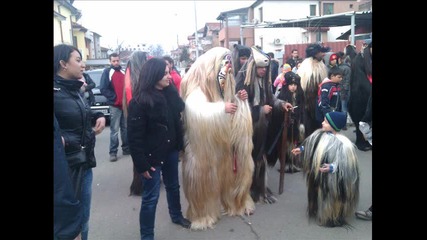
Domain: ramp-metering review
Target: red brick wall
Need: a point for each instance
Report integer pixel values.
(335, 47)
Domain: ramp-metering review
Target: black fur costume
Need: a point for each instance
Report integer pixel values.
(360, 90)
(295, 127)
(312, 72)
(247, 79)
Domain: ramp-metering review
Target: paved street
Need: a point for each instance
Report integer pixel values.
(115, 214)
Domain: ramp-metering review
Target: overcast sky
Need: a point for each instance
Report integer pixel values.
(150, 22)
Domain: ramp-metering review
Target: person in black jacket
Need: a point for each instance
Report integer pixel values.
(67, 211)
(88, 85)
(74, 118)
(155, 138)
(274, 66)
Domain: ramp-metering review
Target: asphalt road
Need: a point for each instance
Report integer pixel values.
(115, 214)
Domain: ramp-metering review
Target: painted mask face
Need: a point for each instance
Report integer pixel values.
(225, 69)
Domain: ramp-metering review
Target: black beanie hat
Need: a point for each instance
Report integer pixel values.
(337, 120)
(291, 78)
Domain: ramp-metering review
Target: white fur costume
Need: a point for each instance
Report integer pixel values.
(217, 166)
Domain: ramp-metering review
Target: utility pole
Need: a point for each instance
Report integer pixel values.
(195, 34)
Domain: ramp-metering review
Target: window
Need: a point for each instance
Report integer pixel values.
(234, 20)
(74, 41)
(328, 8)
(261, 19)
(351, 6)
(312, 10)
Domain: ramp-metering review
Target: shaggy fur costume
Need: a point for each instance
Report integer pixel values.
(331, 196)
(360, 90)
(295, 127)
(312, 73)
(217, 166)
(246, 79)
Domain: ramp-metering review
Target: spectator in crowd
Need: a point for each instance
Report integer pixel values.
(292, 60)
(133, 70)
(176, 77)
(274, 66)
(67, 210)
(365, 215)
(345, 82)
(112, 85)
(74, 117)
(155, 139)
(329, 94)
(88, 85)
(280, 79)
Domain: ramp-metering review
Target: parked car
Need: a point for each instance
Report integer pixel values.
(100, 104)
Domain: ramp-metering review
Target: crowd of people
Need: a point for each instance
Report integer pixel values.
(228, 101)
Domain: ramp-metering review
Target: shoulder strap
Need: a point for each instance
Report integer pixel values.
(84, 121)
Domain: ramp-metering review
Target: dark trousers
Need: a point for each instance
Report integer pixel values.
(151, 193)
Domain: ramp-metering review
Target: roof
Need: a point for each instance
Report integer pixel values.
(223, 15)
(333, 20)
(359, 30)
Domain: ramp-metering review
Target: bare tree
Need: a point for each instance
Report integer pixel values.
(185, 56)
(156, 50)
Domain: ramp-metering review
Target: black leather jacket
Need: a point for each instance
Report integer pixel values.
(73, 112)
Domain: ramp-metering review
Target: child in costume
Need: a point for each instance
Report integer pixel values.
(331, 167)
(292, 93)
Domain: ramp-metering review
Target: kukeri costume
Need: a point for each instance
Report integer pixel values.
(260, 93)
(332, 196)
(238, 52)
(295, 132)
(217, 165)
(360, 92)
(312, 72)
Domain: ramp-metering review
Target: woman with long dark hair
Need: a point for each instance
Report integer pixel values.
(155, 138)
(74, 117)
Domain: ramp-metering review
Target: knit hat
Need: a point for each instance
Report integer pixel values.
(291, 78)
(261, 59)
(333, 57)
(337, 120)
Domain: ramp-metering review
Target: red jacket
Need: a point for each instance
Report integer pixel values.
(176, 79)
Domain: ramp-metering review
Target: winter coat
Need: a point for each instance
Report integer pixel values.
(345, 82)
(155, 131)
(72, 112)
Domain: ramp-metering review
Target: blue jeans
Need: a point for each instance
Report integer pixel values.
(117, 122)
(151, 193)
(85, 199)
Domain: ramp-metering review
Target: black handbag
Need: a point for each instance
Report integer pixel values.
(77, 158)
